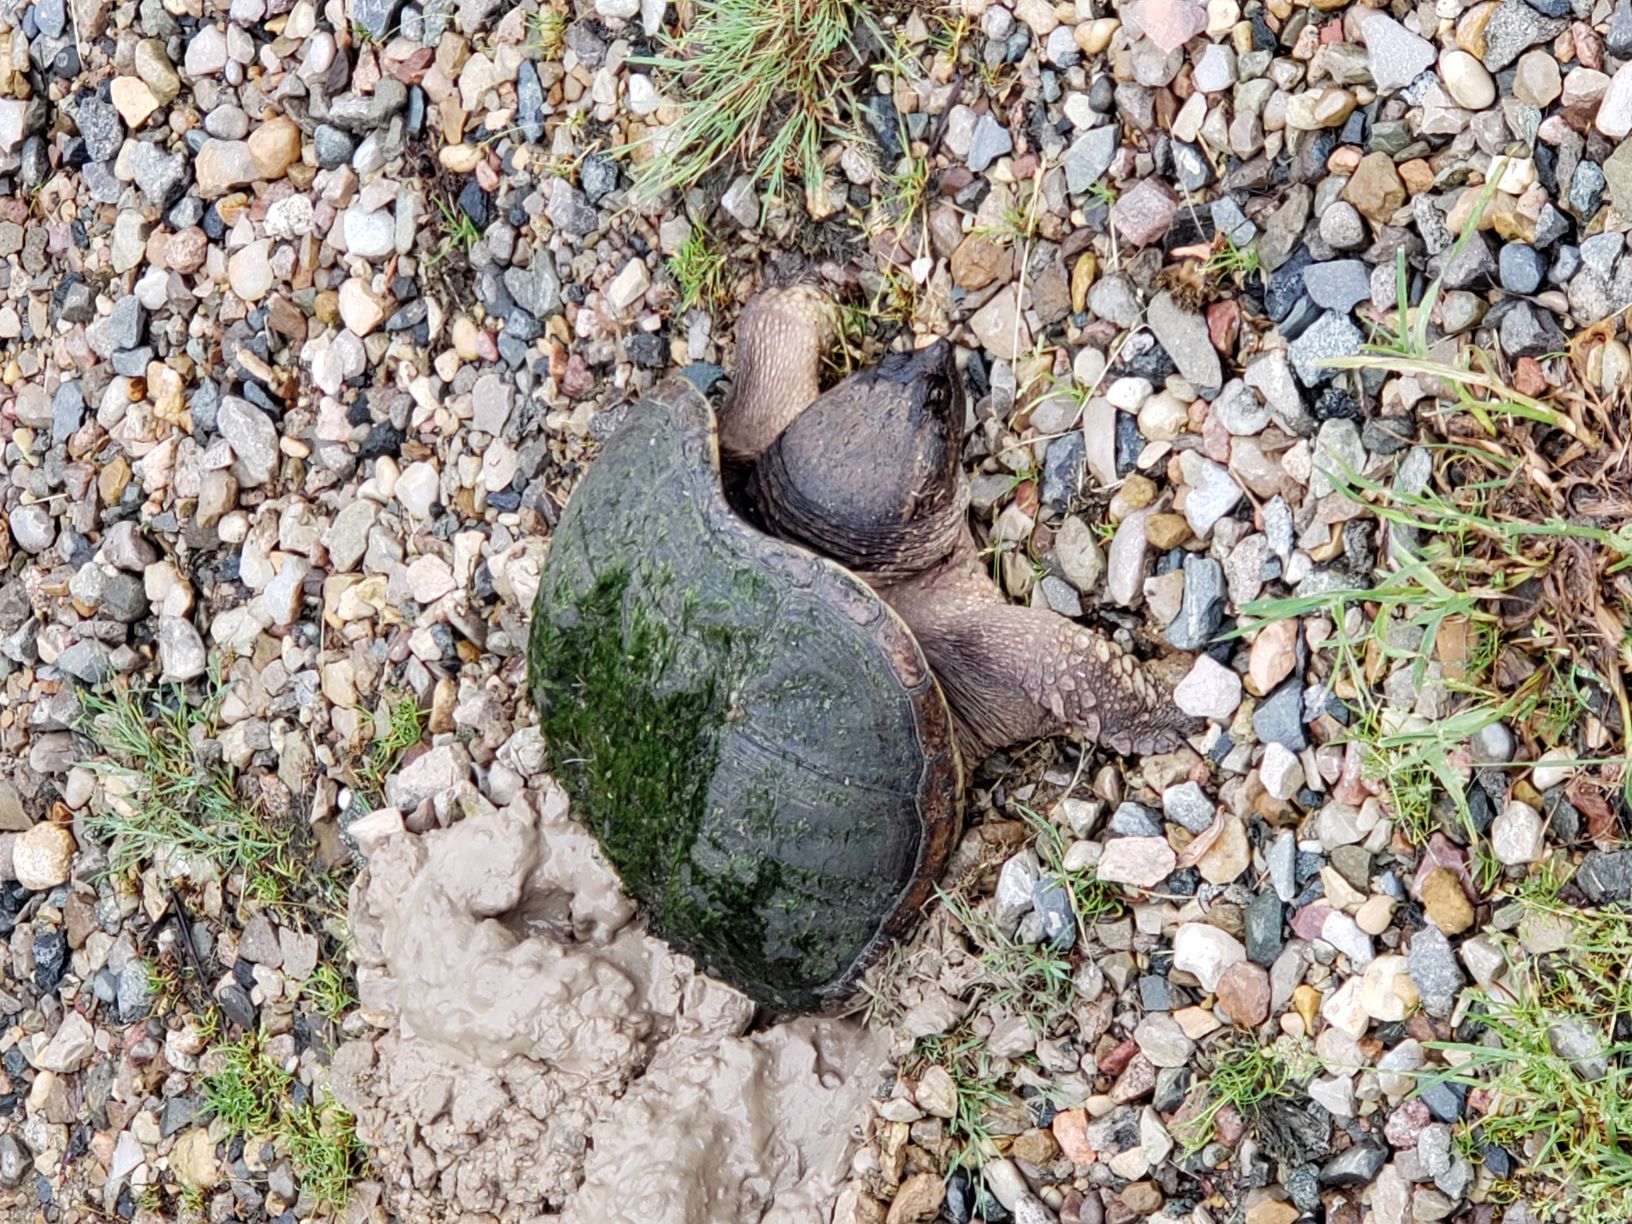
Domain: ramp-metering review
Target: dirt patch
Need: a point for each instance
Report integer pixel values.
(541, 1053)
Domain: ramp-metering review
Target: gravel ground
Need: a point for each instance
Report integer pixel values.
(310, 316)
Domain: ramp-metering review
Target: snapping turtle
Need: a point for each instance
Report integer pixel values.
(759, 686)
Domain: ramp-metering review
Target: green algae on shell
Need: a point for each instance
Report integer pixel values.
(752, 736)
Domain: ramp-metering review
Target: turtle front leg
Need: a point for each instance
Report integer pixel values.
(1013, 674)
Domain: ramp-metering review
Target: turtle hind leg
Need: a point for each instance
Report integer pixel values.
(781, 337)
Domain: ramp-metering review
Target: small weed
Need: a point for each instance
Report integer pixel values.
(895, 296)
(1553, 1062)
(963, 1056)
(166, 796)
(404, 726)
(1035, 976)
(1235, 262)
(328, 992)
(1102, 193)
(549, 26)
(906, 193)
(249, 1095)
(1245, 1077)
(322, 1145)
(949, 34)
(698, 268)
(756, 79)
(1092, 900)
(458, 232)
(248, 1089)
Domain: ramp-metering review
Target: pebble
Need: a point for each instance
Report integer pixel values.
(1445, 903)
(1466, 80)
(1142, 862)
(1183, 334)
(990, 141)
(1355, 1166)
(42, 856)
(1209, 690)
(1516, 835)
(1162, 1041)
(1244, 994)
(1395, 55)
(1614, 117)
(253, 438)
(1331, 337)
(1205, 952)
(1339, 284)
(1017, 887)
(1521, 267)
(1202, 609)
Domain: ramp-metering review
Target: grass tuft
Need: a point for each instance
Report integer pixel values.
(1245, 1077)
(549, 27)
(759, 80)
(166, 795)
(963, 1056)
(328, 992)
(698, 268)
(1552, 1059)
(1233, 261)
(322, 1144)
(404, 727)
(457, 232)
(250, 1095)
(247, 1089)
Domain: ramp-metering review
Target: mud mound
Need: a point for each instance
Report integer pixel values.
(541, 1054)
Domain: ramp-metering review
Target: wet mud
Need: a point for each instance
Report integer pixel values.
(538, 1057)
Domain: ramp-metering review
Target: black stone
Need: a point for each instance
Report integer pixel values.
(384, 439)
(1202, 608)
(1356, 1166)
(1388, 435)
(235, 1002)
(50, 961)
(1279, 717)
(884, 122)
(473, 203)
(646, 349)
(1334, 403)
(598, 177)
(1444, 1100)
(1286, 285)
(1264, 934)
(1062, 469)
(1498, 1160)
(1303, 1187)
(1606, 875)
(1130, 443)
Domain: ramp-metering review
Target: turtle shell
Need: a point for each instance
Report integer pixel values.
(752, 735)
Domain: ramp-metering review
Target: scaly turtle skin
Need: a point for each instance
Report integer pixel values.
(748, 729)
